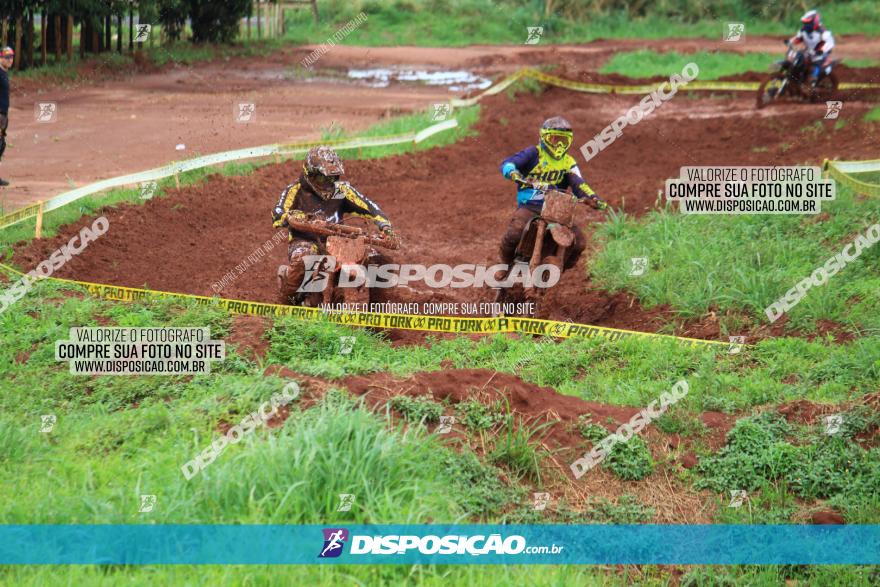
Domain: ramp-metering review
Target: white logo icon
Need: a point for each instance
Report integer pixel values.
(445, 425)
(143, 33)
(541, 501)
(736, 344)
(735, 32)
(45, 111)
(47, 422)
(318, 270)
(534, 34)
(148, 189)
(346, 344)
(639, 266)
(833, 108)
(148, 502)
(737, 497)
(833, 424)
(246, 112)
(346, 500)
(441, 112)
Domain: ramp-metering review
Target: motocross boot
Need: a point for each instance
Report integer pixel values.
(289, 279)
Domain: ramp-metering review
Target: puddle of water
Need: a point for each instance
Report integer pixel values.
(456, 80)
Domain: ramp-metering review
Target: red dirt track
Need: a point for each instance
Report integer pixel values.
(451, 204)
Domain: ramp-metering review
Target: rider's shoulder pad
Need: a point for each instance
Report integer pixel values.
(345, 188)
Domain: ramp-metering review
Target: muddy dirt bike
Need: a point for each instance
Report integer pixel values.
(545, 240)
(350, 247)
(791, 80)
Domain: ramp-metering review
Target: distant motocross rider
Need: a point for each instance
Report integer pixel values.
(818, 41)
(547, 164)
(319, 193)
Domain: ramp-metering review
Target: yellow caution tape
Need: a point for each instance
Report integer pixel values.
(836, 170)
(216, 158)
(500, 324)
(596, 88)
(19, 215)
(599, 88)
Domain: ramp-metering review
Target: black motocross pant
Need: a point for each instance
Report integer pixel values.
(4, 122)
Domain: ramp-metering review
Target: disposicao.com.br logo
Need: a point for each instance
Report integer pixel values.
(320, 270)
(476, 545)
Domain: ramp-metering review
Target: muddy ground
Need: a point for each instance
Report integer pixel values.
(451, 205)
(133, 119)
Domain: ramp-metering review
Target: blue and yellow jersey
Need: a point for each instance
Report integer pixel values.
(536, 164)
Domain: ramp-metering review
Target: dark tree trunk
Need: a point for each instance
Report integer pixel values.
(18, 42)
(31, 33)
(119, 33)
(68, 36)
(85, 33)
(57, 37)
(108, 33)
(44, 26)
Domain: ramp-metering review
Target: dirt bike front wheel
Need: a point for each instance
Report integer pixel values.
(771, 89)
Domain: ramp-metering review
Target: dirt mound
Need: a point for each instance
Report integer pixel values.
(827, 517)
(532, 405)
(248, 336)
(804, 411)
(460, 385)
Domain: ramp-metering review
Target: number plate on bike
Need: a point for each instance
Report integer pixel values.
(558, 207)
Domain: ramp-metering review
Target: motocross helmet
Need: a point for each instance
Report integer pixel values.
(321, 170)
(556, 136)
(811, 21)
(7, 53)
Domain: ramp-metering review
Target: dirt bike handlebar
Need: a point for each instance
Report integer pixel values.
(323, 228)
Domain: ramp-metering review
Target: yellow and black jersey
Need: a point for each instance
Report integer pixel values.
(345, 200)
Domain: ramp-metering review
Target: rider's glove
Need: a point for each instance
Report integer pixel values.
(518, 178)
(387, 231)
(297, 215)
(598, 203)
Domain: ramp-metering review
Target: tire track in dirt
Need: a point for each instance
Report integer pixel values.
(451, 204)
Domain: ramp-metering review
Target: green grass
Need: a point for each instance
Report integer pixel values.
(749, 262)
(417, 409)
(873, 115)
(517, 448)
(465, 22)
(90, 205)
(713, 65)
(24, 231)
(765, 450)
(119, 437)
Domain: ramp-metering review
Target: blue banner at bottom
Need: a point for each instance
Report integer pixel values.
(439, 544)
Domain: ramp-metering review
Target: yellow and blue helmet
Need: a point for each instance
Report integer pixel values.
(556, 136)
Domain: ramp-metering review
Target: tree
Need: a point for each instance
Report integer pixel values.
(172, 16)
(216, 22)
